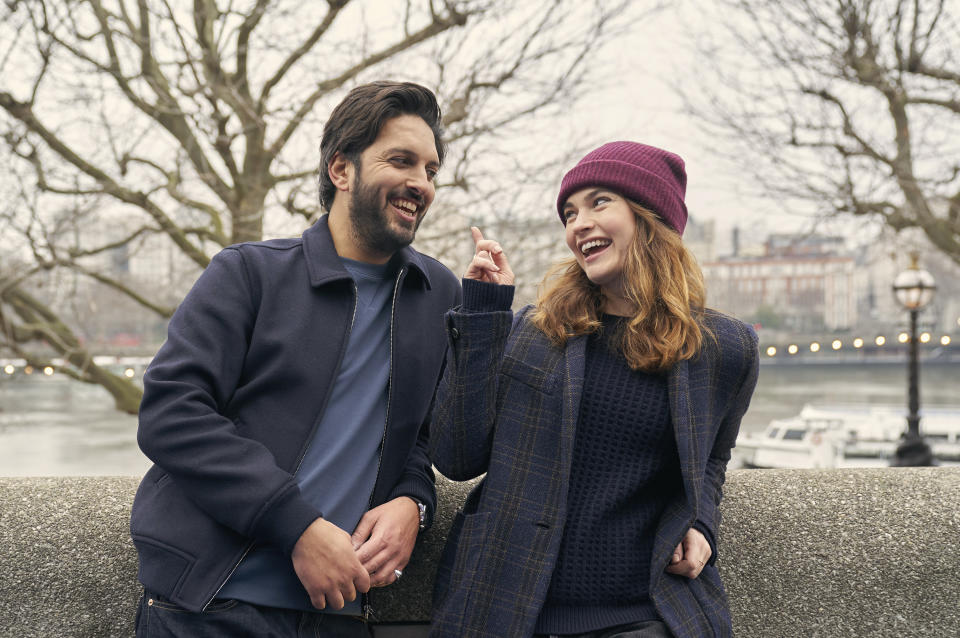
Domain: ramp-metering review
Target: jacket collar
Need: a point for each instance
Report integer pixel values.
(324, 265)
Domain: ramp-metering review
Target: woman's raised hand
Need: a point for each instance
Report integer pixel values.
(489, 262)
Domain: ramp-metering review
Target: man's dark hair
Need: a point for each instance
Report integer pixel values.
(356, 122)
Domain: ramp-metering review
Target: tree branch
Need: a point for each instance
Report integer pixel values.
(24, 114)
(40, 323)
(298, 53)
(439, 25)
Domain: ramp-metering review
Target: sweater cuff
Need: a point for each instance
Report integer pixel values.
(703, 529)
(483, 296)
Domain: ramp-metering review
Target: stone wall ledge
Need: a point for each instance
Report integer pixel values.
(804, 553)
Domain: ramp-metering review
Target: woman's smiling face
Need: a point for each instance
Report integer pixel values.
(600, 228)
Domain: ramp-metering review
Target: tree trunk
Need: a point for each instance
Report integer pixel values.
(248, 218)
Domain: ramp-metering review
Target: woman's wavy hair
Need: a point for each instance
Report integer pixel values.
(661, 280)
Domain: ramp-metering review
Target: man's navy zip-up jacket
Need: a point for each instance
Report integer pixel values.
(233, 397)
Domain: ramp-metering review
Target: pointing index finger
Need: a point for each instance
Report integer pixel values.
(477, 235)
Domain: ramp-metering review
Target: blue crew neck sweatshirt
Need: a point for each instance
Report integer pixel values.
(339, 469)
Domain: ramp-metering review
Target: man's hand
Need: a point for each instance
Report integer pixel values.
(327, 566)
(489, 262)
(385, 537)
(691, 555)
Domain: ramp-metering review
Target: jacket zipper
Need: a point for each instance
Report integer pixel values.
(365, 598)
(306, 444)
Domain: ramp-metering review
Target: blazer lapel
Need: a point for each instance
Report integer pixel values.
(681, 414)
(574, 361)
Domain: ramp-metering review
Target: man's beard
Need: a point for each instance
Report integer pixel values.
(372, 226)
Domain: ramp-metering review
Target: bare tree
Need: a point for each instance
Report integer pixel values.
(162, 125)
(847, 107)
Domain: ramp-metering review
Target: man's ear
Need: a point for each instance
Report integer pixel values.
(340, 170)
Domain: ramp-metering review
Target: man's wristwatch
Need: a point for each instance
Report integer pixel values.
(422, 509)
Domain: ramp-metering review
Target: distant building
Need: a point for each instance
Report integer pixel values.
(700, 239)
(800, 282)
(791, 245)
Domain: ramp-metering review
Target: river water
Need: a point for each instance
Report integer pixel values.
(52, 426)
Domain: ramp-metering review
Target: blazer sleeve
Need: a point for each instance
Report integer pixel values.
(183, 428)
(462, 430)
(716, 467)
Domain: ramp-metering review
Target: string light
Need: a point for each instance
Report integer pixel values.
(47, 370)
(9, 369)
(857, 342)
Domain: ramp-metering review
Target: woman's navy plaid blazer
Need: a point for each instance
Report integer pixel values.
(507, 406)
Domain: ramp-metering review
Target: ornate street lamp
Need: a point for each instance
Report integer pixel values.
(914, 289)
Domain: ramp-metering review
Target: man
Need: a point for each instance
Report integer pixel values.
(286, 412)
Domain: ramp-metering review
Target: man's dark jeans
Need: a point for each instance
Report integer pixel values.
(159, 618)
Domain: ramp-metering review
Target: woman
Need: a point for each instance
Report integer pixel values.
(603, 418)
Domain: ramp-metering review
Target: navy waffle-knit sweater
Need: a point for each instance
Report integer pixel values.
(625, 470)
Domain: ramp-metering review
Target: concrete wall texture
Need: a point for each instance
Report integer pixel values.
(803, 553)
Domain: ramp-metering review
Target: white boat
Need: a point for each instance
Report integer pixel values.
(846, 436)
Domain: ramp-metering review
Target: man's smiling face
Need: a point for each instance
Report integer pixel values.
(392, 186)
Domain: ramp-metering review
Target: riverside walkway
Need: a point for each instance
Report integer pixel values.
(803, 553)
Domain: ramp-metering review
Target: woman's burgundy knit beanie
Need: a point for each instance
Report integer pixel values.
(650, 176)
